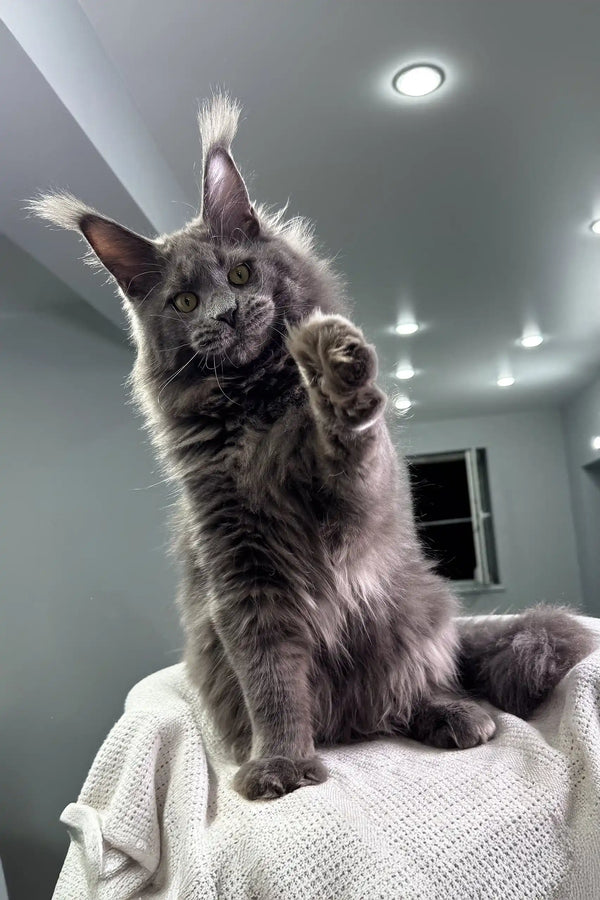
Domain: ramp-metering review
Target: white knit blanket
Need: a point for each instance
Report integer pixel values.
(516, 818)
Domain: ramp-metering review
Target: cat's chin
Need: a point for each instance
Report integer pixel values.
(245, 349)
(232, 356)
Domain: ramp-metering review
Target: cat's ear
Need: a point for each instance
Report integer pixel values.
(132, 260)
(226, 207)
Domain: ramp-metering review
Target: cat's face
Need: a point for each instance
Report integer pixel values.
(222, 301)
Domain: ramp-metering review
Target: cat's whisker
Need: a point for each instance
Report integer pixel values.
(178, 372)
(156, 484)
(161, 316)
(231, 400)
(229, 360)
(284, 336)
(171, 349)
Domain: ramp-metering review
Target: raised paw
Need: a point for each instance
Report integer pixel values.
(332, 351)
(340, 368)
(266, 778)
(458, 724)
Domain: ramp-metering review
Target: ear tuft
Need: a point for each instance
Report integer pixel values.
(133, 261)
(218, 121)
(60, 208)
(226, 207)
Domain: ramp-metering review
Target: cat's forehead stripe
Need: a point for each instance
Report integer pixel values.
(191, 256)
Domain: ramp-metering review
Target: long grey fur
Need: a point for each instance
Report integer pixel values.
(310, 611)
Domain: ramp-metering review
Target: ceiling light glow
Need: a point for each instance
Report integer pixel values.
(406, 328)
(595, 226)
(402, 404)
(404, 373)
(531, 340)
(505, 381)
(419, 80)
(596, 442)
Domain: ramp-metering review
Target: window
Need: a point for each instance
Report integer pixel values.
(454, 517)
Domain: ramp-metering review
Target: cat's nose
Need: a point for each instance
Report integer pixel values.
(228, 314)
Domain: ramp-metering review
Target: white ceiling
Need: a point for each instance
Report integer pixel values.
(468, 209)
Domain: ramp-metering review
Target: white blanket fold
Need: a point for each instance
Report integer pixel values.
(516, 818)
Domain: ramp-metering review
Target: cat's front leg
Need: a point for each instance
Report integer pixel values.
(339, 369)
(272, 665)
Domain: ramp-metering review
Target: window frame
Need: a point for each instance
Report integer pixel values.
(487, 576)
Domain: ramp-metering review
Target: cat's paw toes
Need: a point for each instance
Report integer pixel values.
(465, 728)
(311, 770)
(363, 408)
(331, 350)
(270, 777)
(459, 725)
(350, 362)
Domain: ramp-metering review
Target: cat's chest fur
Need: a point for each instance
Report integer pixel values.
(274, 472)
(260, 483)
(270, 460)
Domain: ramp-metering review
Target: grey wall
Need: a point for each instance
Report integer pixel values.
(87, 594)
(530, 501)
(581, 419)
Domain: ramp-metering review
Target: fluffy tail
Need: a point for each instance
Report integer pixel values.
(516, 662)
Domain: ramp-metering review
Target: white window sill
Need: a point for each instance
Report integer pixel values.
(472, 587)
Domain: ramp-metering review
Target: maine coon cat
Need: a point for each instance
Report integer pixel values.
(310, 611)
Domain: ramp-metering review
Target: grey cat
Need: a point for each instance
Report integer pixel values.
(310, 611)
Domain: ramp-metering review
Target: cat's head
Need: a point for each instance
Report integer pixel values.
(221, 289)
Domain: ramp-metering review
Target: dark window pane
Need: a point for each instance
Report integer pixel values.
(452, 547)
(440, 490)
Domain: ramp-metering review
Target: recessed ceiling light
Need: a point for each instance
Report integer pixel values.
(406, 328)
(404, 373)
(506, 381)
(596, 442)
(531, 340)
(419, 80)
(595, 226)
(403, 404)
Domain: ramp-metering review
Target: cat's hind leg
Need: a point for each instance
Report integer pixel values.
(450, 721)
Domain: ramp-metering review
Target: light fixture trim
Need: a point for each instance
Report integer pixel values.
(418, 79)
(405, 372)
(505, 381)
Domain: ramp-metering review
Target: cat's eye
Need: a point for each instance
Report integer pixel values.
(186, 301)
(239, 274)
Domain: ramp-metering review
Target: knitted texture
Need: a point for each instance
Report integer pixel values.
(516, 818)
